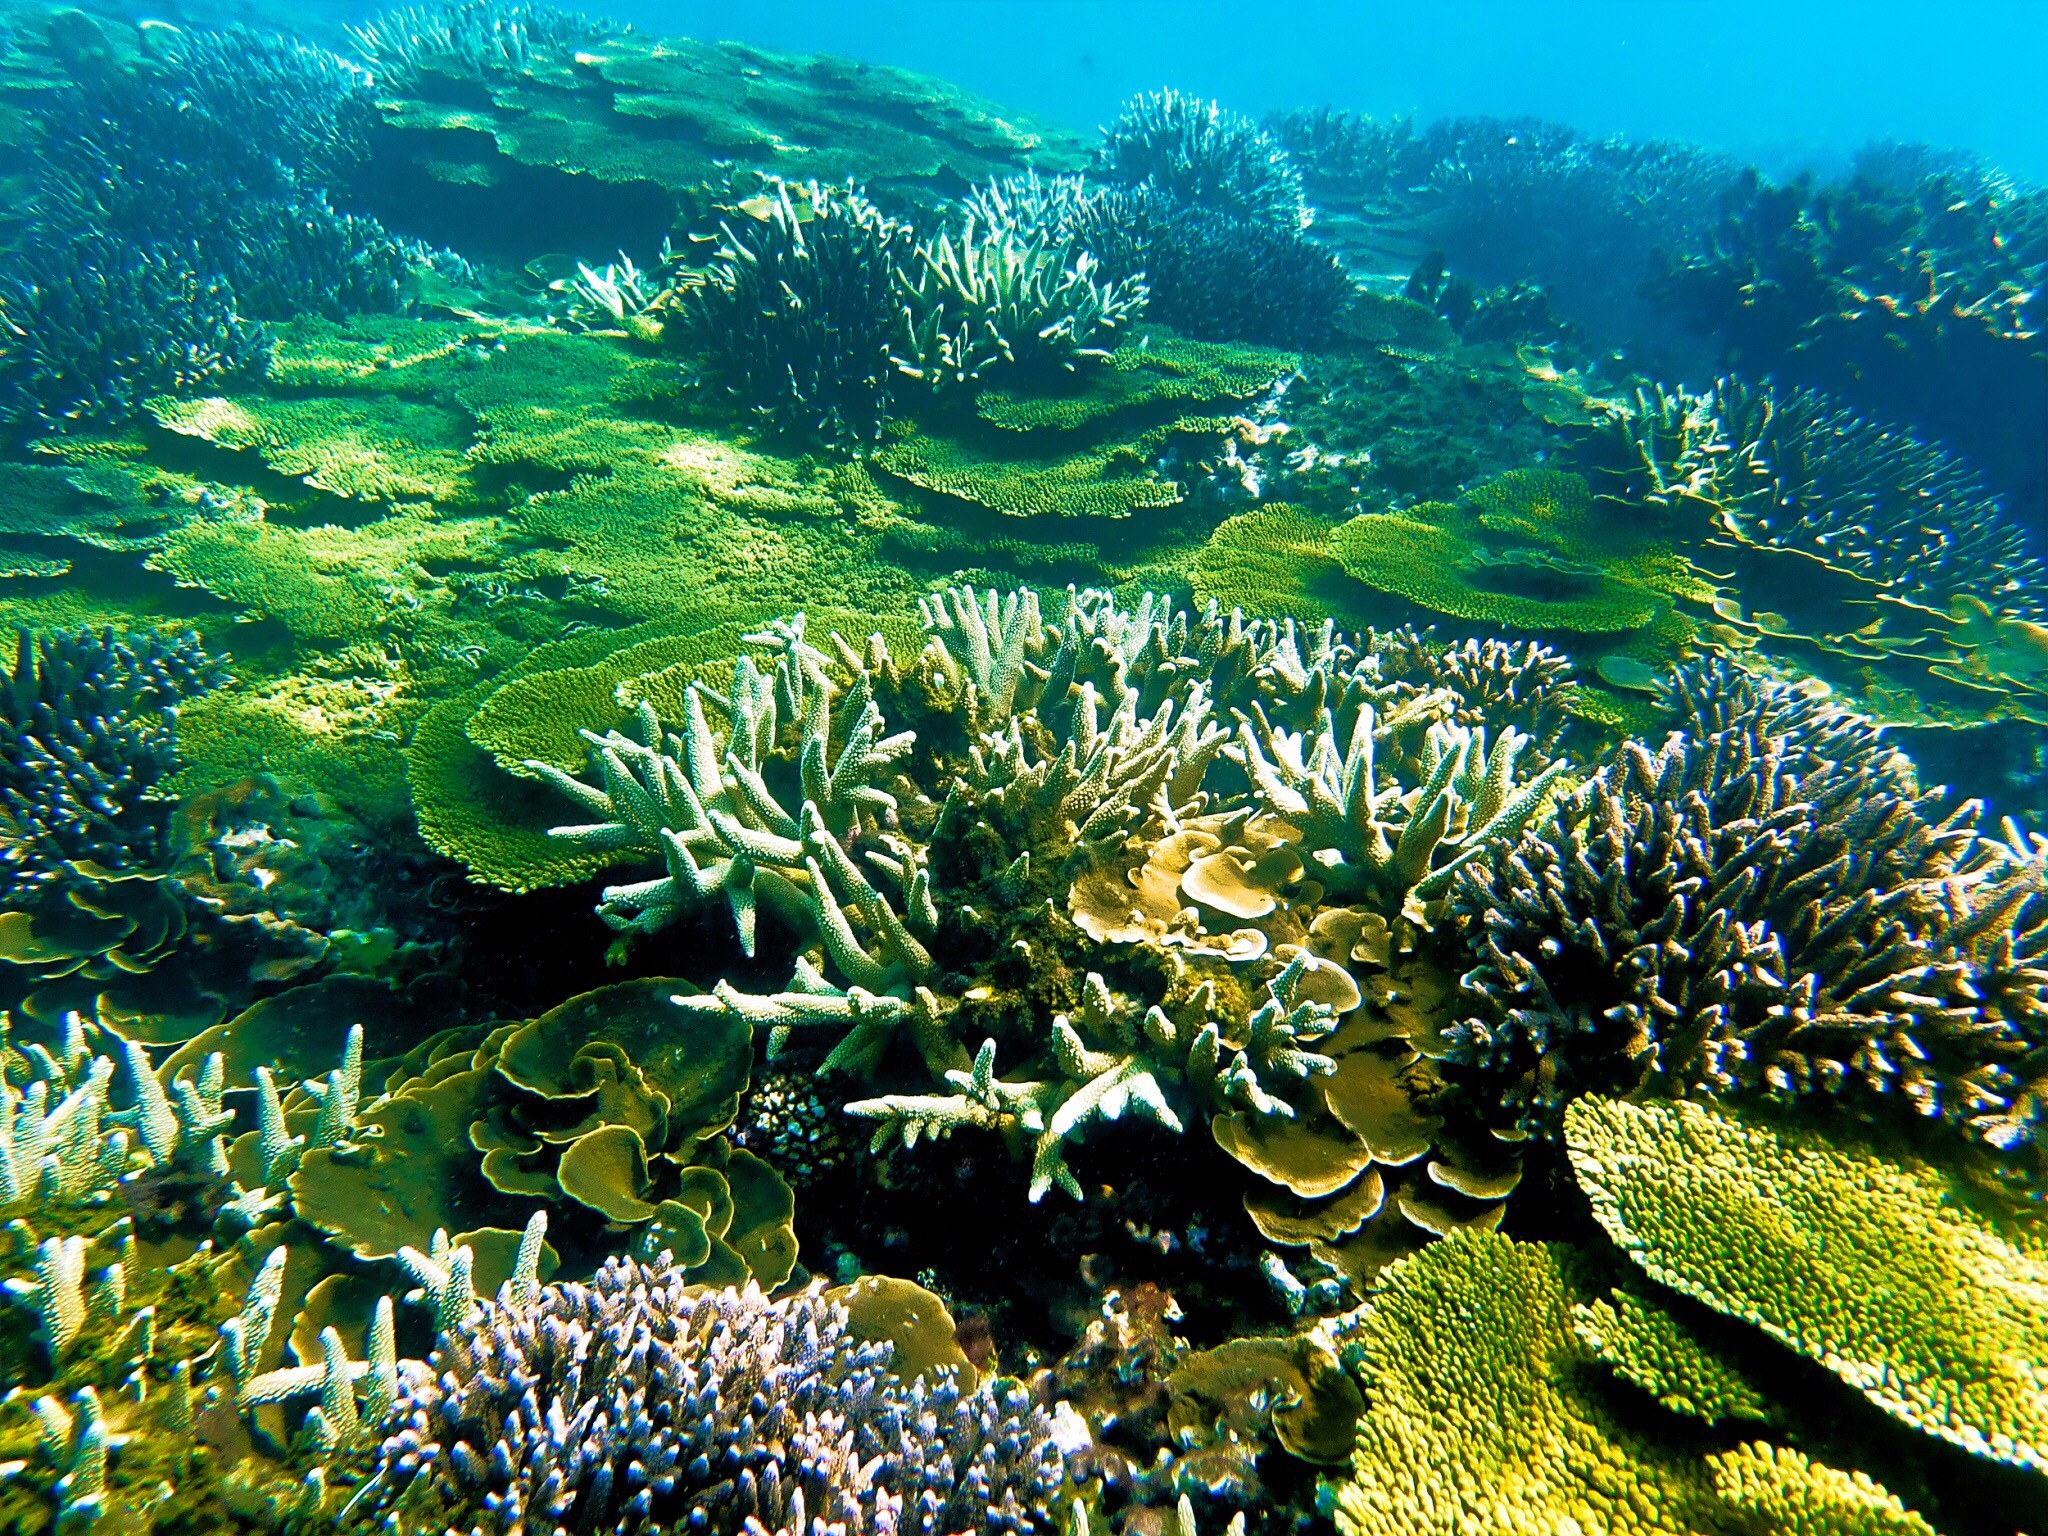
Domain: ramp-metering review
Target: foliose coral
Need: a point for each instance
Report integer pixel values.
(1769, 904)
(637, 1403)
(88, 733)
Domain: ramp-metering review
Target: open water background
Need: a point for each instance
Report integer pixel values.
(1785, 85)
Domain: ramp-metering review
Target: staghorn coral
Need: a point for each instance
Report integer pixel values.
(1768, 905)
(1878, 1268)
(97, 324)
(477, 37)
(720, 1408)
(1209, 273)
(1007, 292)
(1195, 151)
(799, 309)
(1794, 469)
(89, 721)
(187, 193)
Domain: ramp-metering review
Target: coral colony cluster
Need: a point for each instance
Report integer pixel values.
(1233, 827)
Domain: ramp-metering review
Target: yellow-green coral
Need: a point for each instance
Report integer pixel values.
(1273, 562)
(1879, 1269)
(1114, 480)
(1424, 557)
(1482, 1415)
(378, 448)
(1156, 369)
(1784, 1491)
(1648, 1346)
(1476, 1421)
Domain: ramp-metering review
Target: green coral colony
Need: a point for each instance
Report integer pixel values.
(985, 842)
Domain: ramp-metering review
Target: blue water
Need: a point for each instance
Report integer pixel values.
(1781, 84)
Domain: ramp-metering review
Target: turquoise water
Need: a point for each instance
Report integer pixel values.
(1785, 84)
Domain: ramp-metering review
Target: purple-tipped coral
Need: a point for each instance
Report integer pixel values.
(1768, 905)
(636, 1403)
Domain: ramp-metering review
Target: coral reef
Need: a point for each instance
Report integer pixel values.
(88, 724)
(482, 37)
(187, 192)
(1196, 151)
(724, 1409)
(798, 310)
(1342, 871)
(1767, 905)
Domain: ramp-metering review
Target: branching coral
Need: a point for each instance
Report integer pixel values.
(713, 817)
(1195, 151)
(720, 1409)
(1767, 905)
(482, 37)
(1008, 293)
(97, 325)
(88, 732)
(1794, 469)
(187, 194)
(1917, 299)
(799, 308)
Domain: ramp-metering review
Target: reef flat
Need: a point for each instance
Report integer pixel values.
(737, 795)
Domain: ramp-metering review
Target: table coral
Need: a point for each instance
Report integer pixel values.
(1879, 1268)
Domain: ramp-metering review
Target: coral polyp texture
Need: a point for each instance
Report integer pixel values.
(742, 796)
(637, 1403)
